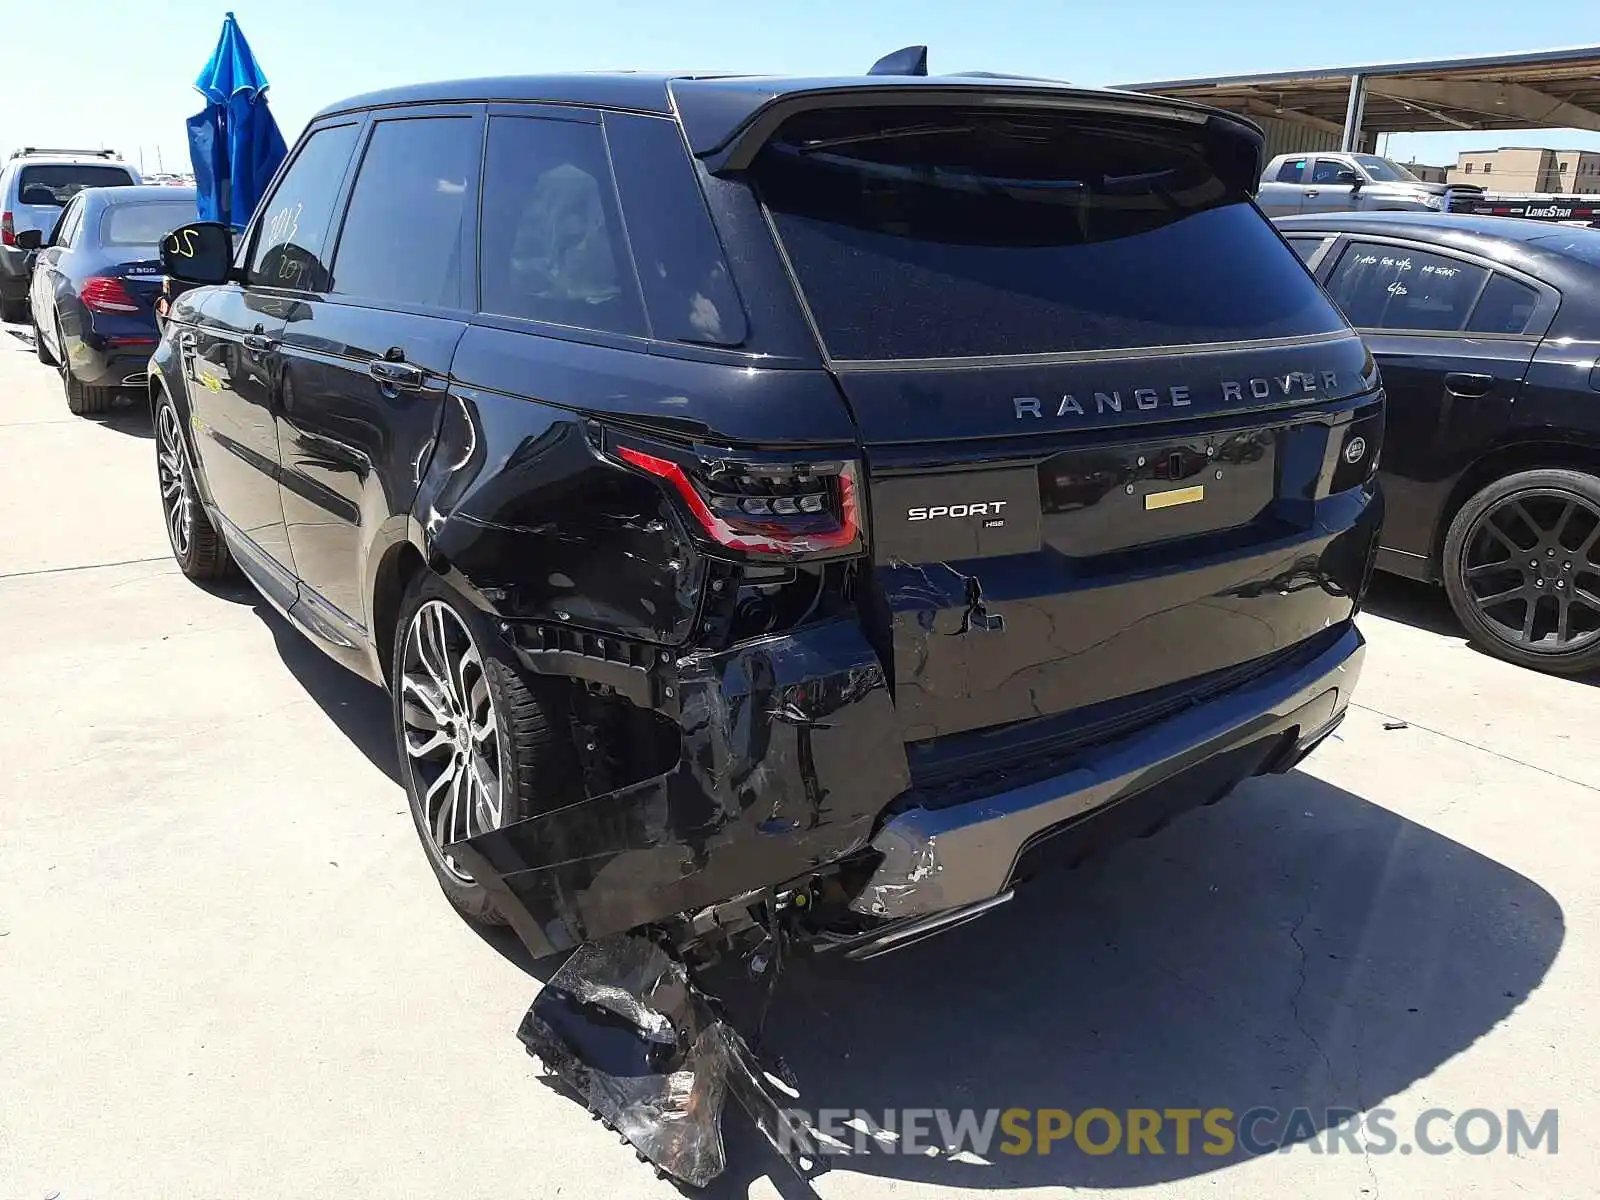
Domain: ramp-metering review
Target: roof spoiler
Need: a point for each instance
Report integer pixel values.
(727, 120)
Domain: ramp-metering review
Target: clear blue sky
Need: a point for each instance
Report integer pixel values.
(122, 74)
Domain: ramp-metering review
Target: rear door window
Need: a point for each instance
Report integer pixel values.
(552, 245)
(71, 219)
(1393, 287)
(405, 232)
(949, 233)
(293, 225)
(1293, 171)
(55, 185)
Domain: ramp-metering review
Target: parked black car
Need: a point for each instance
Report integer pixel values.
(1487, 330)
(782, 507)
(94, 285)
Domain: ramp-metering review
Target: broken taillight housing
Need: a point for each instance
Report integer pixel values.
(767, 508)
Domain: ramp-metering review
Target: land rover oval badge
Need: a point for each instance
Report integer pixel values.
(1355, 450)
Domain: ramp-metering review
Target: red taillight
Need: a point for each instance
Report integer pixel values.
(106, 294)
(8, 230)
(116, 342)
(770, 510)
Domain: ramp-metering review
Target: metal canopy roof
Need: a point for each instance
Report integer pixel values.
(1542, 89)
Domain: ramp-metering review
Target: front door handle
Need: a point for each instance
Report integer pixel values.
(259, 343)
(187, 339)
(1312, 192)
(1468, 385)
(396, 375)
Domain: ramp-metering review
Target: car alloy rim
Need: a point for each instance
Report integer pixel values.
(452, 738)
(177, 504)
(1529, 567)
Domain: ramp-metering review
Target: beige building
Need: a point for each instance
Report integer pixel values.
(1529, 169)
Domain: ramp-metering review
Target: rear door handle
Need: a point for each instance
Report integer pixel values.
(1468, 385)
(260, 343)
(187, 340)
(396, 375)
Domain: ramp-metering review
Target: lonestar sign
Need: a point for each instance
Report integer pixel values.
(1294, 385)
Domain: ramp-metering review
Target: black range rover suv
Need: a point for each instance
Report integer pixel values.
(826, 498)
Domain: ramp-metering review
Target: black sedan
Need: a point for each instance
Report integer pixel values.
(1487, 331)
(94, 287)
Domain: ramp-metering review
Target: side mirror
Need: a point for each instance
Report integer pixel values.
(1349, 177)
(201, 252)
(30, 239)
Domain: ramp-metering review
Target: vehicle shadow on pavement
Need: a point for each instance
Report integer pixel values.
(1424, 606)
(1294, 946)
(131, 417)
(359, 710)
(1420, 605)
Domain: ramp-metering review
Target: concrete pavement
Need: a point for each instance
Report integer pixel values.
(225, 970)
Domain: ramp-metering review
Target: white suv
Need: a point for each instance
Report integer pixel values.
(35, 185)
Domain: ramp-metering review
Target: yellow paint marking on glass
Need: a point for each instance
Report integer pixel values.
(1177, 496)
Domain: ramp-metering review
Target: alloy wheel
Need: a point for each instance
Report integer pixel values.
(177, 498)
(1529, 566)
(452, 738)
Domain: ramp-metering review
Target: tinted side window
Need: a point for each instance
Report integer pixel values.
(403, 238)
(1505, 307)
(1385, 287)
(67, 234)
(681, 268)
(1306, 247)
(551, 245)
(294, 220)
(1327, 170)
(1293, 171)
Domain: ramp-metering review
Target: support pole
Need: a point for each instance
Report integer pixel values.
(1354, 111)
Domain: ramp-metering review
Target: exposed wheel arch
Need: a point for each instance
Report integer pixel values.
(399, 566)
(1506, 460)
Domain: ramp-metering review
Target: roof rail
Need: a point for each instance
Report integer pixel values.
(26, 150)
(1007, 75)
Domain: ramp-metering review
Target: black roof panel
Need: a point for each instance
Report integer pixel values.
(714, 108)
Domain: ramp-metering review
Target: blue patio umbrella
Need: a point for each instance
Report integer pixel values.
(234, 143)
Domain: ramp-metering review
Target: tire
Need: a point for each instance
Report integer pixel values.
(82, 400)
(40, 350)
(1521, 566)
(535, 765)
(14, 311)
(197, 547)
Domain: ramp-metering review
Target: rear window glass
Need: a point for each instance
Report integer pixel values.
(946, 233)
(58, 184)
(142, 224)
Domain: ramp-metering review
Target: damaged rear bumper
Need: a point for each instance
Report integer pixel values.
(793, 760)
(790, 753)
(936, 859)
